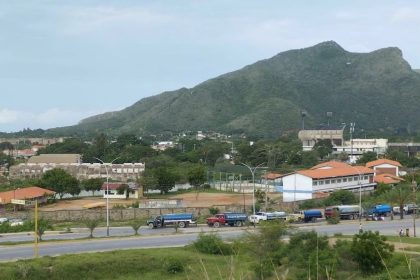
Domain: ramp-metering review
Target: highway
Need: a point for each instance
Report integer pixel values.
(152, 238)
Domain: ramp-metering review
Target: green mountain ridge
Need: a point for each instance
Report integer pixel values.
(377, 90)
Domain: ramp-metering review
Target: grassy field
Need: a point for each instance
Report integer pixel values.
(174, 263)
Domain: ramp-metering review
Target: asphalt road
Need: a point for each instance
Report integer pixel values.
(164, 238)
(99, 245)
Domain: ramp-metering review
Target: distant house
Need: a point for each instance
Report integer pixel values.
(385, 166)
(25, 196)
(134, 191)
(326, 178)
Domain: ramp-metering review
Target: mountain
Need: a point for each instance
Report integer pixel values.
(377, 90)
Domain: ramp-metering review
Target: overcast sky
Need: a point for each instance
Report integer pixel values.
(61, 61)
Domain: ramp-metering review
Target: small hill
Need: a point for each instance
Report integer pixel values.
(377, 90)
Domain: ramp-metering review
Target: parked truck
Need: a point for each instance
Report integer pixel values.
(231, 219)
(267, 216)
(346, 212)
(309, 215)
(182, 220)
(380, 210)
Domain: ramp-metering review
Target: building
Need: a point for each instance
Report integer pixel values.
(385, 166)
(25, 196)
(387, 179)
(56, 159)
(72, 163)
(325, 178)
(113, 190)
(39, 141)
(310, 137)
(163, 145)
(410, 149)
(273, 179)
(355, 148)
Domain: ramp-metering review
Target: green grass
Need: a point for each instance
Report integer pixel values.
(127, 265)
(166, 195)
(81, 224)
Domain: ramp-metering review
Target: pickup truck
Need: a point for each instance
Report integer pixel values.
(309, 215)
(267, 216)
(408, 209)
(182, 220)
(231, 219)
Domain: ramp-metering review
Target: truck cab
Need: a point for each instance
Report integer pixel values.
(231, 219)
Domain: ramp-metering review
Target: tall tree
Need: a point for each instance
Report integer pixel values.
(59, 181)
(400, 195)
(92, 185)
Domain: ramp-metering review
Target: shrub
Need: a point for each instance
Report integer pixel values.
(214, 210)
(335, 218)
(212, 244)
(173, 265)
(371, 252)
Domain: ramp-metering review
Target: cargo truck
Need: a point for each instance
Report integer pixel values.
(346, 212)
(267, 216)
(309, 215)
(231, 219)
(182, 220)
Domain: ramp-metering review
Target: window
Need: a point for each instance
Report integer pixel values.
(327, 182)
(338, 180)
(314, 183)
(366, 177)
(320, 182)
(356, 178)
(344, 180)
(350, 179)
(332, 181)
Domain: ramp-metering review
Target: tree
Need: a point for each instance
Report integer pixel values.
(59, 181)
(124, 189)
(340, 197)
(166, 179)
(197, 176)
(92, 185)
(43, 225)
(136, 224)
(264, 247)
(400, 194)
(323, 147)
(366, 157)
(148, 181)
(91, 224)
(310, 158)
(371, 251)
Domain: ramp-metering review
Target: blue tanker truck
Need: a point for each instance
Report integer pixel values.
(182, 220)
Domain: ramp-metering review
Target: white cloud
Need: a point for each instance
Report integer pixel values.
(81, 20)
(14, 120)
(8, 116)
(406, 15)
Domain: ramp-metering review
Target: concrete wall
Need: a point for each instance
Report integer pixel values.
(118, 214)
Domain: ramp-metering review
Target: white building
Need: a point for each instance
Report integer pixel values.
(385, 166)
(357, 147)
(325, 178)
(113, 190)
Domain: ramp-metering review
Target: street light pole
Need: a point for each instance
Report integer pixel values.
(252, 170)
(107, 192)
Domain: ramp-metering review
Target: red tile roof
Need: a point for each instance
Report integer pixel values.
(383, 161)
(332, 164)
(387, 179)
(335, 172)
(24, 193)
(272, 176)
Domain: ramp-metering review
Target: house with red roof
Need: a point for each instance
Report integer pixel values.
(385, 166)
(116, 190)
(326, 178)
(25, 196)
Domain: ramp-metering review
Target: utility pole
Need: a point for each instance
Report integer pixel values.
(36, 249)
(351, 140)
(415, 202)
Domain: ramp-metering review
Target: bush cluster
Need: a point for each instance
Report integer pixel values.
(212, 244)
